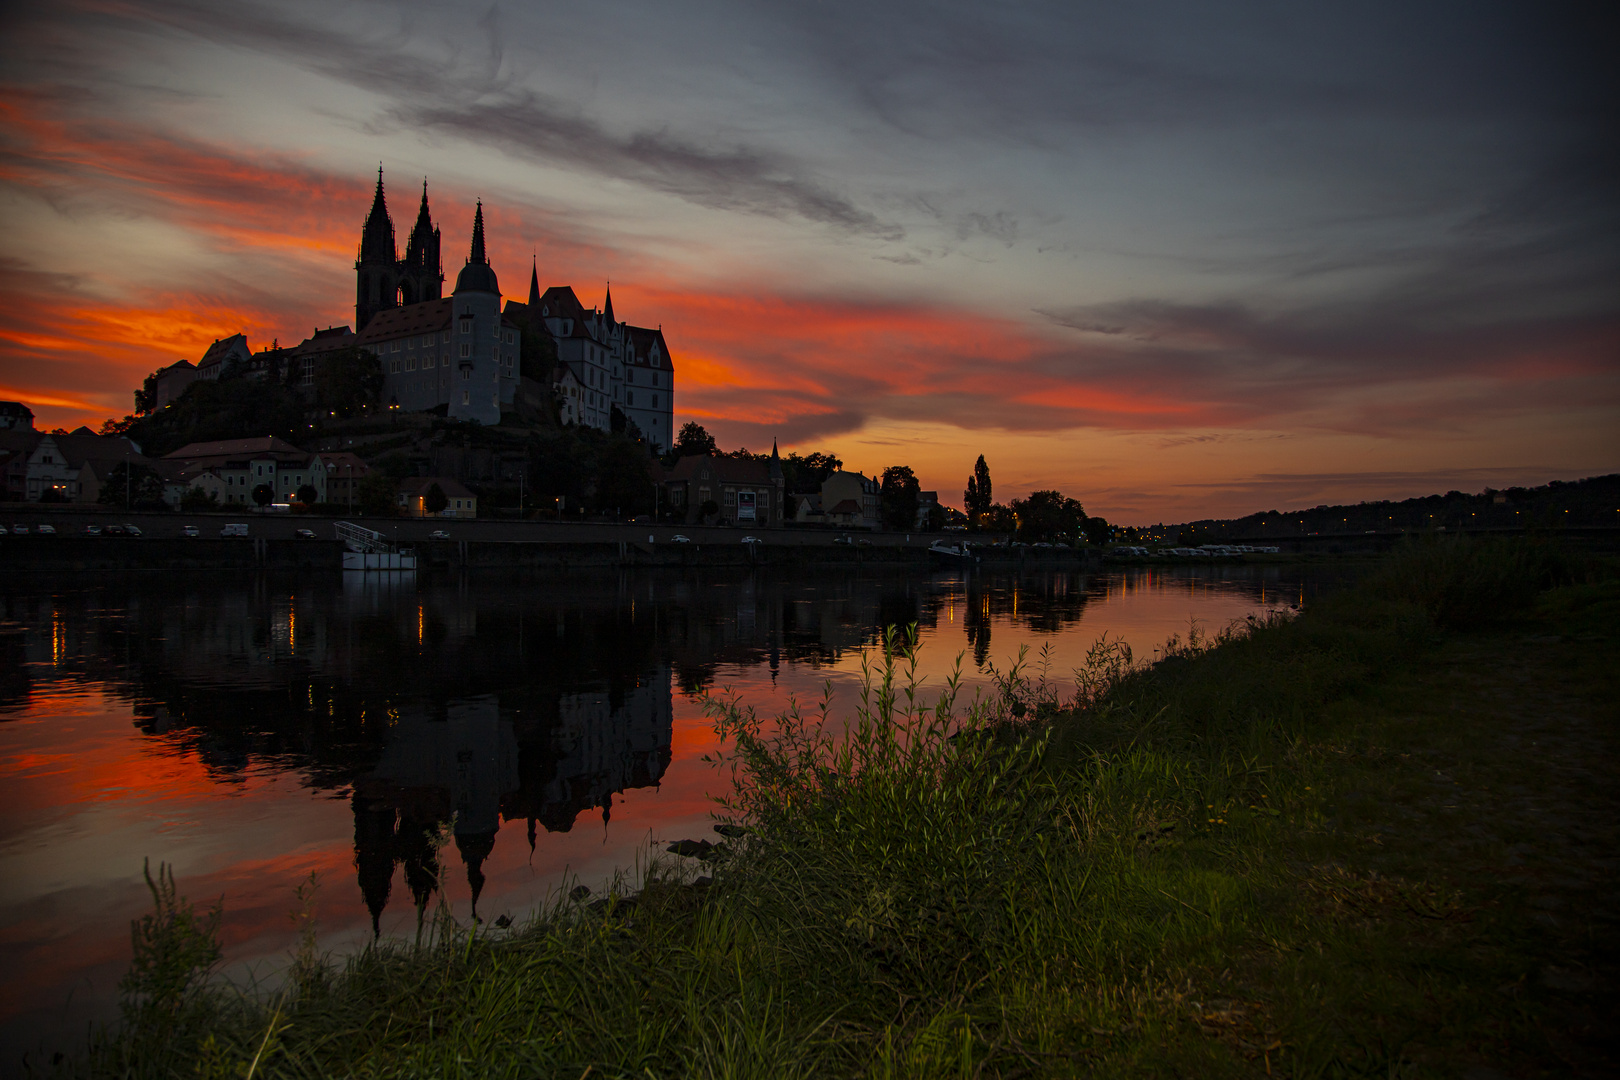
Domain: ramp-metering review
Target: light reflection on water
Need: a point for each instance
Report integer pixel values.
(251, 729)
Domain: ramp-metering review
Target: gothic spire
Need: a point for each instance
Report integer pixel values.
(534, 289)
(377, 239)
(478, 255)
(607, 305)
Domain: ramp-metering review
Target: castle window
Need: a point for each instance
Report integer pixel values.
(445, 337)
(466, 324)
(393, 346)
(410, 363)
(410, 343)
(427, 361)
(466, 373)
(629, 397)
(466, 350)
(655, 401)
(393, 369)
(464, 397)
(509, 337)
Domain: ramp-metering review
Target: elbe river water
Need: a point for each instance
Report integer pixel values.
(251, 729)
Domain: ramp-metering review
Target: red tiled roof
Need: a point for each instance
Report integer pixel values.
(397, 322)
(723, 469)
(265, 444)
(847, 506)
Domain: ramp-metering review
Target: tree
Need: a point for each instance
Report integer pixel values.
(805, 475)
(307, 494)
(624, 483)
(434, 500)
(899, 494)
(347, 381)
(1000, 518)
(1098, 531)
(707, 509)
(196, 500)
(264, 494)
(693, 440)
(1047, 515)
(133, 486)
(976, 500)
(378, 494)
(146, 396)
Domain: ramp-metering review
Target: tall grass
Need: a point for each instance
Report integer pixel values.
(1047, 880)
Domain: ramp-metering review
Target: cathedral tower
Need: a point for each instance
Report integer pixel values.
(377, 270)
(421, 274)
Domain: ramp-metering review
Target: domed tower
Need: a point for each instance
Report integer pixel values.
(486, 350)
(421, 274)
(377, 268)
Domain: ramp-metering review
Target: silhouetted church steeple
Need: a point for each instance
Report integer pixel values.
(534, 292)
(607, 305)
(422, 273)
(377, 267)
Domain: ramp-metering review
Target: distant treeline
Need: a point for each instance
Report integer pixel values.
(1560, 504)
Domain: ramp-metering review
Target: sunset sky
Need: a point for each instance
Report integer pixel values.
(1175, 260)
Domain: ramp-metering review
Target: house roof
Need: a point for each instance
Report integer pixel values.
(264, 446)
(418, 485)
(224, 348)
(846, 506)
(397, 322)
(642, 341)
(76, 449)
(726, 470)
(17, 408)
(344, 459)
(333, 337)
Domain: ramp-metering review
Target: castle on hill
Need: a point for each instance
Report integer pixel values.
(462, 354)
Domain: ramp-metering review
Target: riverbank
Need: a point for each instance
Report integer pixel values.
(1361, 840)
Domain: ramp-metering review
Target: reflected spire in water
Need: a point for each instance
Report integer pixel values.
(475, 848)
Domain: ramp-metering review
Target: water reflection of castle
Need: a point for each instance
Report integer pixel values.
(470, 765)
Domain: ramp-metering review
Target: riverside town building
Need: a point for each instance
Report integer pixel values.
(464, 353)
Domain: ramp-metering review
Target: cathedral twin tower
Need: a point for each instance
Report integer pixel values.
(384, 280)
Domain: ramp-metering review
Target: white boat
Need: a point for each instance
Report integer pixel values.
(952, 553)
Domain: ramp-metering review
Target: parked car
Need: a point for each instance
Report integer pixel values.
(190, 530)
(752, 540)
(304, 534)
(3, 531)
(235, 529)
(438, 534)
(19, 530)
(92, 530)
(679, 539)
(131, 530)
(112, 530)
(850, 540)
(45, 530)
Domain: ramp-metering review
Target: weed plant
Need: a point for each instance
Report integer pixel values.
(1128, 876)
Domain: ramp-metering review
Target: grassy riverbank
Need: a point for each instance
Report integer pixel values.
(1373, 839)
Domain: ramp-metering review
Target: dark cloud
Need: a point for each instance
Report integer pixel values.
(475, 97)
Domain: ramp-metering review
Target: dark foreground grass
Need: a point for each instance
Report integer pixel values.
(1375, 839)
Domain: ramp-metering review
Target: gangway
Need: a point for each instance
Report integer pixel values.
(365, 549)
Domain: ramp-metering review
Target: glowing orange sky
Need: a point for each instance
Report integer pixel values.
(174, 174)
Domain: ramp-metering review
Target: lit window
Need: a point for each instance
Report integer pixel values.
(464, 396)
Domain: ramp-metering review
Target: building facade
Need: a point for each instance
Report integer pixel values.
(458, 353)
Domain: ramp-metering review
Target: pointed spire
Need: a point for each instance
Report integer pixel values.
(534, 288)
(607, 305)
(377, 238)
(478, 255)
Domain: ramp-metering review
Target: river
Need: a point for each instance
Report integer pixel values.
(252, 729)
